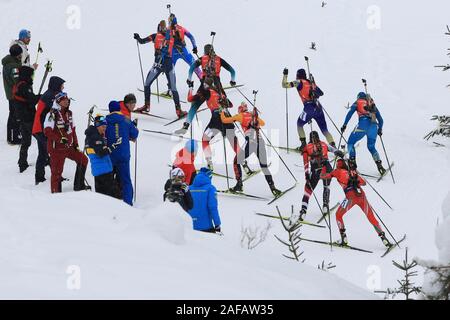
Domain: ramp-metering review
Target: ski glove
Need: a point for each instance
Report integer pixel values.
(380, 132)
(343, 128)
(194, 50)
(190, 83)
(285, 71)
(339, 154)
(232, 83)
(217, 229)
(138, 38)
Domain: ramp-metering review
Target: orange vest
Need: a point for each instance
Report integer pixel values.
(179, 30)
(247, 118)
(159, 41)
(305, 93)
(207, 64)
(311, 151)
(361, 105)
(213, 102)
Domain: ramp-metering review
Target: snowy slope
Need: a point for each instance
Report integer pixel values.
(149, 250)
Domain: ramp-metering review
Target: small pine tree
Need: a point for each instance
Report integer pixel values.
(407, 287)
(294, 238)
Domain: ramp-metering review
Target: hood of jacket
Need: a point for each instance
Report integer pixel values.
(26, 74)
(201, 180)
(55, 84)
(9, 59)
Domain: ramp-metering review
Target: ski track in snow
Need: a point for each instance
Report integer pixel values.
(150, 251)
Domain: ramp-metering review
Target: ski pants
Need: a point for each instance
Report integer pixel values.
(360, 200)
(215, 127)
(187, 57)
(13, 125)
(25, 130)
(42, 158)
(155, 71)
(122, 169)
(256, 145)
(57, 159)
(313, 111)
(362, 130)
(312, 183)
(106, 185)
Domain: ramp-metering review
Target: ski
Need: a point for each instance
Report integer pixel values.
(181, 118)
(393, 246)
(287, 219)
(168, 134)
(332, 209)
(386, 173)
(369, 176)
(282, 194)
(438, 144)
(162, 95)
(232, 87)
(241, 194)
(335, 244)
(150, 115)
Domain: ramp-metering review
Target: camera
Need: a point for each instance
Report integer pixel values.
(175, 192)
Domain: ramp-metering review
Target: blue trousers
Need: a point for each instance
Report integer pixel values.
(122, 169)
(362, 130)
(311, 111)
(187, 57)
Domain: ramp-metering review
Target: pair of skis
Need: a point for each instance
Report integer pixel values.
(250, 196)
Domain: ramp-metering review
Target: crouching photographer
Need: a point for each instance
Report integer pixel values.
(177, 191)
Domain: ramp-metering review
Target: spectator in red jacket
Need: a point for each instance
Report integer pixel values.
(185, 161)
(62, 143)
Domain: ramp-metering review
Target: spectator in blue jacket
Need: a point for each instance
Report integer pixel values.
(119, 132)
(205, 213)
(99, 156)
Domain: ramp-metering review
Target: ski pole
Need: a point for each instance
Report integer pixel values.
(213, 35)
(387, 229)
(135, 163)
(140, 63)
(39, 50)
(307, 64)
(48, 68)
(370, 185)
(169, 8)
(387, 159)
(226, 161)
(287, 121)
(334, 124)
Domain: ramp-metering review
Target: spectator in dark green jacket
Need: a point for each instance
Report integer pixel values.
(11, 64)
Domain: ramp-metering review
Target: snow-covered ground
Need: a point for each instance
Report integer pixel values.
(149, 251)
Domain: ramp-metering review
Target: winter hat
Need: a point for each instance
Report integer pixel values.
(243, 107)
(114, 106)
(162, 26)
(362, 95)
(61, 96)
(24, 34)
(208, 49)
(206, 172)
(301, 74)
(191, 146)
(129, 98)
(340, 164)
(15, 50)
(26, 73)
(100, 121)
(176, 173)
(173, 19)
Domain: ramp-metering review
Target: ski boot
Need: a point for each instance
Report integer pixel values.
(247, 169)
(23, 167)
(181, 113)
(239, 187)
(344, 240)
(79, 181)
(302, 146)
(38, 180)
(183, 130)
(144, 109)
(209, 164)
(385, 240)
(381, 170)
(275, 191)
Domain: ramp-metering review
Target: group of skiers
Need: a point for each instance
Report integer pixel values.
(315, 154)
(107, 143)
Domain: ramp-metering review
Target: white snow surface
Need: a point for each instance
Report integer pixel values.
(150, 251)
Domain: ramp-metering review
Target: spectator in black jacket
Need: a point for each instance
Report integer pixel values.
(176, 190)
(25, 101)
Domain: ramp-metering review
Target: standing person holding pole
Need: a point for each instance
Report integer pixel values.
(309, 94)
(23, 41)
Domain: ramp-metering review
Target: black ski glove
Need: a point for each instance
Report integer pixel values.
(194, 50)
(380, 132)
(343, 128)
(138, 38)
(339, 154)
(190, 83)
(232, 83)
(285, 71)
(217, 229)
